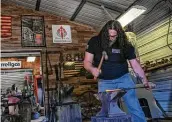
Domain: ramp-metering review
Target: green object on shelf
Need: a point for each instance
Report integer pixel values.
(89, 75)
(82, 71)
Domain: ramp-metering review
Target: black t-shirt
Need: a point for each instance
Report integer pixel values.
(116, 65)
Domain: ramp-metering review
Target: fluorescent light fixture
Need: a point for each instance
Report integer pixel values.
(131, 14)
(31, 59)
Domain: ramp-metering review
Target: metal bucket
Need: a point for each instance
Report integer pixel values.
(25, 111)
(69, 113)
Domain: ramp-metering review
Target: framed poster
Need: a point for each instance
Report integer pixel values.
(33, 31)
(61, 34)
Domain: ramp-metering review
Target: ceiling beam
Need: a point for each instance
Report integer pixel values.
(109, 15)
(38, 2)
(78, 9)
(108, 6)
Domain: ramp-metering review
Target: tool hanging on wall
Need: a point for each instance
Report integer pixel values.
(61, 63)
(51, 69)
(58, 84)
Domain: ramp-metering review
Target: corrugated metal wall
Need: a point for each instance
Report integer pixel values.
(152, 43)
(163, 91)
(10, 77)
(157, 10)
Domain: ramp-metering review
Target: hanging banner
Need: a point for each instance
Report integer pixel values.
(61, 34)
(6, 30)
(10, 64)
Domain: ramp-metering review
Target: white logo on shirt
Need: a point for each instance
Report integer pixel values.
(115, 50)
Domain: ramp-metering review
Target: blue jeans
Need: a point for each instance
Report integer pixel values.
(129, 98)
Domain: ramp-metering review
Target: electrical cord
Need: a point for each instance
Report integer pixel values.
(170, 2)
(170, 11)
(154, 7)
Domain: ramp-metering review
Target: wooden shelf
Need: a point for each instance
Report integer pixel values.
(159, 66)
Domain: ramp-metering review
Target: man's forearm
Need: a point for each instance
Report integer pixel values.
(88, 66)
(139, 71)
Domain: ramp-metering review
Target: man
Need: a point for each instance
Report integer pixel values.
(114, 70)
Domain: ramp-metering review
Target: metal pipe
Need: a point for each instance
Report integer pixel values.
(47, 80)
(117, 90)
(113, 8)
(78, 9)
(109, 15)
(38, 2)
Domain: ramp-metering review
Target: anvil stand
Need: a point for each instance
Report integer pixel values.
(115, 114)
(63, 108)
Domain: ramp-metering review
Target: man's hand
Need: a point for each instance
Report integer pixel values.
(95, 72)
(149, 85)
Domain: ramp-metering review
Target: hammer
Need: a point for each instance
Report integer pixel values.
(104, 56)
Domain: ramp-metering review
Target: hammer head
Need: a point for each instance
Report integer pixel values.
(105, 55)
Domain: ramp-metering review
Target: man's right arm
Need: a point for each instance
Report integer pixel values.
(88, 61)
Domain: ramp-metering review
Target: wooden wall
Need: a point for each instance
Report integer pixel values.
(80, 35)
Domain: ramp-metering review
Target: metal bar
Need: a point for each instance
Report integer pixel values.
(43, 83)
(113, 8)
(47, 81)
(38, 2)
(78, 9)
(20, 50)
(117, 90)
(109, 15)
(16, 70)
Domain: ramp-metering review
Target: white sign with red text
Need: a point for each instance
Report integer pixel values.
(61, 34)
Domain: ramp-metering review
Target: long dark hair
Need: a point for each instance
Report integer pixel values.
(121, 41)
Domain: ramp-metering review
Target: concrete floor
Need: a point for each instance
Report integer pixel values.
(39, 120)
(147, 121)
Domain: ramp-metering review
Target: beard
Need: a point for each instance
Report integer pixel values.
(111, 42)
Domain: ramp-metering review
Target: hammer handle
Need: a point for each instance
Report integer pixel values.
(100, 65)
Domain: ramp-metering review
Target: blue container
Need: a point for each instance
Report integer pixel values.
(35, 115)
(124, 118)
